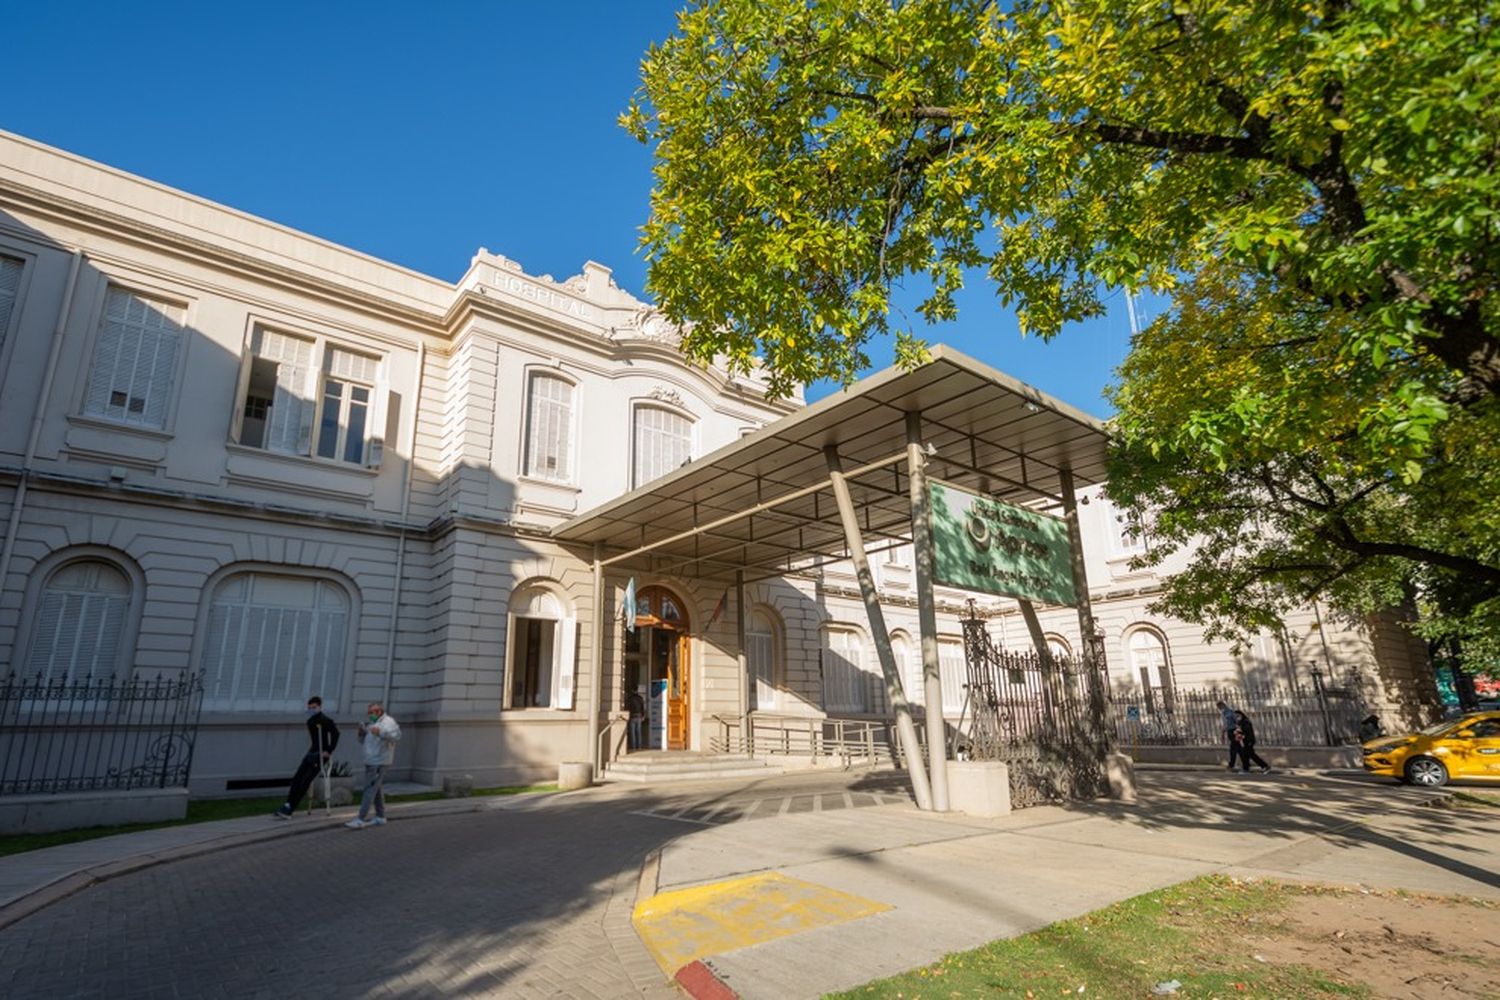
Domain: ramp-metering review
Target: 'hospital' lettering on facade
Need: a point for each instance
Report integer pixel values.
(544, 296)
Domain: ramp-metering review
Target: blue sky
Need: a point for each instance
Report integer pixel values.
(416, 133)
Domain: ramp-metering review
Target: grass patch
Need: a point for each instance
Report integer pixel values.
(209, 810)
(1125, 949)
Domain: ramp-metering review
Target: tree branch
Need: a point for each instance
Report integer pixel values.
(1239, 146)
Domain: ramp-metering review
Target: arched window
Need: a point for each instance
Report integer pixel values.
(846, 683)
(542, 636)
(762, 657)
(549, 428)
(1062, 652)
(1149, 665)
(273, 641)
(908, 668)
(955, 674)
(80, 624)
(662, 441)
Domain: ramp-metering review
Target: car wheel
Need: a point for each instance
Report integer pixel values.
(1427, 772)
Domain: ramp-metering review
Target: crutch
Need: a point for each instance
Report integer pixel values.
(325, 771)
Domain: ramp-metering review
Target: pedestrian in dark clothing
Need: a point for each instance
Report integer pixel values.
(1244, 731)
(635, 706)
(1226, 719)
(322, 738)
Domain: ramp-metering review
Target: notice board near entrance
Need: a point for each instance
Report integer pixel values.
(998, 548)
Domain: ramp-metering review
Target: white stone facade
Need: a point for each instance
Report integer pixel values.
(218, 434)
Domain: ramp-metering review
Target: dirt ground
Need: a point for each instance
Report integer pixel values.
(1399, 946)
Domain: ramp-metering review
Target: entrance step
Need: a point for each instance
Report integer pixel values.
(656, 766)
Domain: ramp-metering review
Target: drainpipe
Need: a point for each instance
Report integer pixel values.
(595, 702)
(411, 461)
(39, 418)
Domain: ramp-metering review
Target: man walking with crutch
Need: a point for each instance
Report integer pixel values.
(322, 738)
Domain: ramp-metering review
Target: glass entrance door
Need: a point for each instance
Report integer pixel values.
(664, 643)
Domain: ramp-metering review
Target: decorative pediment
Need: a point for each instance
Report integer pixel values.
(647, 323)
(666, 395)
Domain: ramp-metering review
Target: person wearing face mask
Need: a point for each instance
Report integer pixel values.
(322, 738)
(378, 733)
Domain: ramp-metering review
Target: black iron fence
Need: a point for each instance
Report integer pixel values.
(1043, 717)
(96, 735)
(1325, 715)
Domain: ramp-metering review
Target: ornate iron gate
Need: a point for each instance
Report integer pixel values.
(1035, 714)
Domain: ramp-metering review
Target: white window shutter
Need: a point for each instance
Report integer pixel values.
(567, 661)
(159, 377)
(135, 359)
(549, 428)
(289, 424)
(102, 370)
(45, 636)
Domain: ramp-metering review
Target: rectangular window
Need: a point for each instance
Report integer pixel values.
(549, 429)
(1126, 538)
(531, 664)
(663, 442)
(347, 391)
(847, 687)
(10, 289)
(760, 659)
(130, 379)
(285, 398)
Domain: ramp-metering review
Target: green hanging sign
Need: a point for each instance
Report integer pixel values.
(997, 548)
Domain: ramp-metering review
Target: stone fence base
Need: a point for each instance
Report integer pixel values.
(75, 810)
(1309, 757)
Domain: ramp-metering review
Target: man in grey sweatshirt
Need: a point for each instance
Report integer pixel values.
(378, 735)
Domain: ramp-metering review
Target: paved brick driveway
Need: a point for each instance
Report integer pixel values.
(516, 903)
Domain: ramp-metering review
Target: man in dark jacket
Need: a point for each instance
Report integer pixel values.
(1244, 734)
(322, 738)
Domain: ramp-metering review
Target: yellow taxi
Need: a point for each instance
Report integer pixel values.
(1457, 749)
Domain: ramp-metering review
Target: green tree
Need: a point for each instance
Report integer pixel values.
(1314, 183)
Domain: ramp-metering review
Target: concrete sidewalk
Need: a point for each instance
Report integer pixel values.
(945, 884)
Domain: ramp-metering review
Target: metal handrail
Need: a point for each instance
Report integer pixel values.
(849, 741)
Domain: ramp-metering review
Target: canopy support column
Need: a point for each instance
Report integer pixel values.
(1085, 607)
(906, 730)
(1052, 684)
(932, 675)
(742, 660)
(596, 664)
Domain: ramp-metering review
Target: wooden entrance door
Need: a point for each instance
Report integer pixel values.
(661, 611)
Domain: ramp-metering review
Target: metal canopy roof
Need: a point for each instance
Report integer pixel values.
(764, 504)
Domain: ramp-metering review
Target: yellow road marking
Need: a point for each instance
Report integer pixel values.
(686, 924)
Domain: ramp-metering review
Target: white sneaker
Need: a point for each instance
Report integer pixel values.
(356, 824)
(377, 821)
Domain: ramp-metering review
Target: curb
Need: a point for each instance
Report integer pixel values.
(79, 879)
(701, 983)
